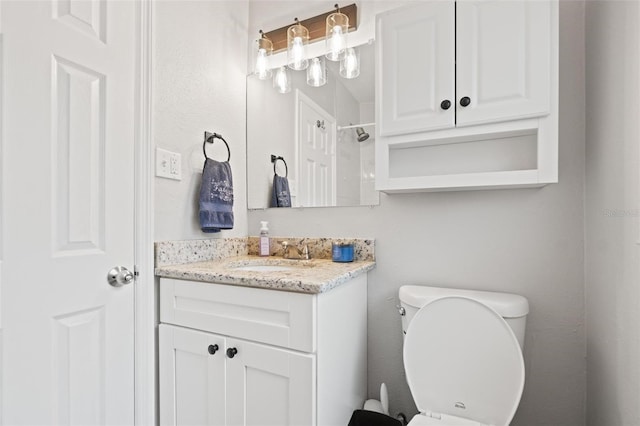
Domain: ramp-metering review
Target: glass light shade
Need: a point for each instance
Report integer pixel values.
(297, 40)
(317, 73)
(350, 64)
(264, 48)
(336, 35)
(282, 80)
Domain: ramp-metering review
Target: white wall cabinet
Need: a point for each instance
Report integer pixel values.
(234, 355)
(466, 95)
(503, 60)
(416, 50)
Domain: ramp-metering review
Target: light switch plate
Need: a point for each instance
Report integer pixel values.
(168, 164)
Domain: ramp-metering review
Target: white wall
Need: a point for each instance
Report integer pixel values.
(612, 215)
(368, 195)
(198, 84)
(347, 148)
(527, 241)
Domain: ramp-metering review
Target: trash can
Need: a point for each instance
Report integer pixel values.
(371, 418)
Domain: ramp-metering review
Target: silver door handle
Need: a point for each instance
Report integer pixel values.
(120, 276)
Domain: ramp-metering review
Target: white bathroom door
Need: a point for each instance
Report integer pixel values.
(68, 98)
(316, 154)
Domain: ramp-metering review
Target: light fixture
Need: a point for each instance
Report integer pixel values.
(336, 35)
(317, 73)
(264, 48)
(297, 40)
(350, 64)
(282, 80)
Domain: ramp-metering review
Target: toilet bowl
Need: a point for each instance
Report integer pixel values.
(463, 354)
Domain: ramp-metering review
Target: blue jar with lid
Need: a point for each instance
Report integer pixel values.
(342, 252)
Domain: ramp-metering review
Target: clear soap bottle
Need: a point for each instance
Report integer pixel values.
(264, 238)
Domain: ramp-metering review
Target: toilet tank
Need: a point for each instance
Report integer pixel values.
(512, 307)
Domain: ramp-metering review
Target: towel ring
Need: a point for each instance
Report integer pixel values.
(210, 137)
(274, 160)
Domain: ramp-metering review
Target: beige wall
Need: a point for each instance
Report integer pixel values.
(612, 215)
(198, 84)
(526, 241)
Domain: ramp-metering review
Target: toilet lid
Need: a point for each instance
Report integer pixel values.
(462, 359)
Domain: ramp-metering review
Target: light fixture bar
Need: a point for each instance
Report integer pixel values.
(316, 26)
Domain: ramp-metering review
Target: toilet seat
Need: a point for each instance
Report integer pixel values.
(422, 420)
(463, 360)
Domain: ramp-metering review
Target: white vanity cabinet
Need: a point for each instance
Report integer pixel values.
(232, 355)
(256, 385)
(466, 95)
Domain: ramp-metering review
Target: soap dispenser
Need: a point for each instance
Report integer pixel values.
(264, 238)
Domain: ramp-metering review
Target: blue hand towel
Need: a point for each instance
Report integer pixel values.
(280, 197)
(216, 196)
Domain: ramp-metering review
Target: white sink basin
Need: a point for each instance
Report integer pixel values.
(264, 268)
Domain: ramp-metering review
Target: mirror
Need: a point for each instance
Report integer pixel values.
(319, 132)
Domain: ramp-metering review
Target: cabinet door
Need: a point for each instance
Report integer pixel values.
(503, 60)
(192, 380)
(268, 386)
(415, 67)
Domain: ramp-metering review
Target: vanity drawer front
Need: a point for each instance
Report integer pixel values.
(275, 317)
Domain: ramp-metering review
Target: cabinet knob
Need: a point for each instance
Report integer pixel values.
(465, 101)
(446, 104)
(231, 352)
(213, 349)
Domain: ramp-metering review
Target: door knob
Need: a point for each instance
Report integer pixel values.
(231, 352)
(120, 276)
(465, 101)
(446, 104)
(213, 349)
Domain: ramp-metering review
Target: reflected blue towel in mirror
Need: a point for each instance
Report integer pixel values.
(280, 197)
(216, 196)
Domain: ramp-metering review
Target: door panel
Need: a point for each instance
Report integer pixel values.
(78, 135)
(317, 154)
(192, 380)
(68, 149)
(267, 386)
(416, 62)
(503, 60)
(79, 366)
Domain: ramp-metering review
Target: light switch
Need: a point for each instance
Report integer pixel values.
(168, 164)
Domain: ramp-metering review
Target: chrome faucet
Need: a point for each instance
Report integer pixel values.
(291, 251)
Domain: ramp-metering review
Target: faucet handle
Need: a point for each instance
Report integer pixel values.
(285, 249)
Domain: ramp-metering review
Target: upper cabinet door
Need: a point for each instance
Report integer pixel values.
(415, 68)
(503, 60)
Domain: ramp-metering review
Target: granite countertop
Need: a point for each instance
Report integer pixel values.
(307, 276)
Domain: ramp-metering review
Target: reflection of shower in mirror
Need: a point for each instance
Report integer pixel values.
(362, 135)
(360, 132)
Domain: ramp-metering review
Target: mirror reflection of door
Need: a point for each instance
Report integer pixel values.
(315, 143)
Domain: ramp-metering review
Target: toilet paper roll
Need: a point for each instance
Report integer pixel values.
(374, 405)
(381, 406)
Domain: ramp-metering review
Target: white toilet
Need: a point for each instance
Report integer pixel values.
(463, 354)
